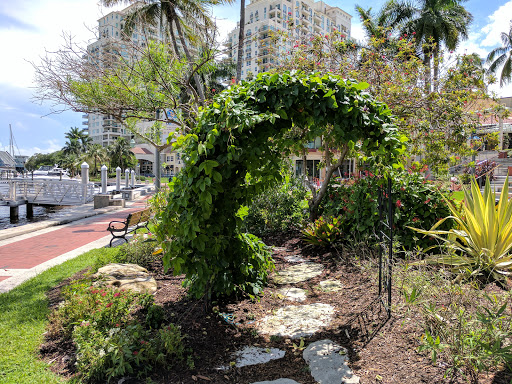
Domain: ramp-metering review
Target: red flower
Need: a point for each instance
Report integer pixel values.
(427, 201)
(398, 203)
(213, 89)
(135, 353)
(109, 305)
(415, 219)
(117, 294)
(104, 294)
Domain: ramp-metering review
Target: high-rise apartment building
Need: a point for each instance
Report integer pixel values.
(300, 18)
(111, 44)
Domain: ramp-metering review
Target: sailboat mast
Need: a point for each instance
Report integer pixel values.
(11, 142)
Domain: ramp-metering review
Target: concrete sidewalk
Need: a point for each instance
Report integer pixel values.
(30, 249)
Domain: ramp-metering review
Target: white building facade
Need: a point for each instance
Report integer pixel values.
(300, 18)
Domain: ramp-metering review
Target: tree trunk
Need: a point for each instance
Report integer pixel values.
(241, 39)
(197, 80)
(314, 203)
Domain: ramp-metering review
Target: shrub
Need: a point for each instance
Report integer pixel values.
(104, 354)
(140, 250)
(105, 307)
(323, 232)
(280, 208)
(472, 340)
(116, 332)
(417, 204)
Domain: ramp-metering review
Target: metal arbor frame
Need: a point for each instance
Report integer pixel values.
(365, 324)
(385, 235)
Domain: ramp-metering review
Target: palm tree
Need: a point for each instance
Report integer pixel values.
(72, 146)
(120, 153)
(435, 23)
(83, 139)
(381, 23)
(97, 154)
(502, 57)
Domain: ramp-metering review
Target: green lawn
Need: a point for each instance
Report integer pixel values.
(23, 318)
(458, 196)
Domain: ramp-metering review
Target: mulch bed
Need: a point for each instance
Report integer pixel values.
(389, 355)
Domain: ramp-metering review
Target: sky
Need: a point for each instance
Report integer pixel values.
(28, 28)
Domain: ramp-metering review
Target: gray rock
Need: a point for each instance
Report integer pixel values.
(278, 381)
(328, 363)
(294, 259)
(293, 294)
(298, 273)
(297, 321)
(331, 285)
(255, 355)
(126, 276)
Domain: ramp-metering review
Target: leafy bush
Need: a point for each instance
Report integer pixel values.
(280, 208)
(251, 275)
(111, 337)
(483, 238)
(472, 341)
(481, 170)
(417, 204)
(103, 306)
(138, 251)
(103, 354)
(324, 232)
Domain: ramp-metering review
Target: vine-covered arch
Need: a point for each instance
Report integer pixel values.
(235, 151)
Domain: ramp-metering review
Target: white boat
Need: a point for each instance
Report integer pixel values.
(47, 171)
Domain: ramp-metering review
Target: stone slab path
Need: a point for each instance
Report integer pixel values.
(328, 362)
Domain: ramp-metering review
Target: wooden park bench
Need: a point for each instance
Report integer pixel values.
(134, 221)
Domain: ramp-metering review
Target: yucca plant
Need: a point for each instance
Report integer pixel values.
(482, 238)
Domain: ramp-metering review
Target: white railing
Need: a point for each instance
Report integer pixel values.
(52, 192)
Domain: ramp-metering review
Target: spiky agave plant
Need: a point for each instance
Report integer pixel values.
(482, 239)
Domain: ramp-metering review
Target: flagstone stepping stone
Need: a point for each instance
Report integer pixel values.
(293, 294)
(328, 363)
(297, 321)
(278, 381)
(294, 259)
(298, 273)
(126, 276)
(331, 285)
(256, 355)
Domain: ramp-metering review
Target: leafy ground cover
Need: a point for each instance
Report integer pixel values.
(392, 355)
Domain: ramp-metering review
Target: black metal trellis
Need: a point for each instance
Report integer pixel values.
(365, 324)
(385, 235)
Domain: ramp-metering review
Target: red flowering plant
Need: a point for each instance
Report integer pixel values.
(115, 331)
(103, 306)
(416, 203)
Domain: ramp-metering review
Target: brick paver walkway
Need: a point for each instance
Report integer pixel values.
(30, 252)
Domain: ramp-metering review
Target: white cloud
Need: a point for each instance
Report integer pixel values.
(357, 32)
(50, 19)
(50, 146)
(499, 22)
(224, 27)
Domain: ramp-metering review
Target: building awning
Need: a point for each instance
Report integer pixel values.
(141, 151)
